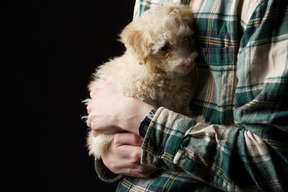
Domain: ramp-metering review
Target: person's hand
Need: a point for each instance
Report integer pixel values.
(109, 111)
(123, 156)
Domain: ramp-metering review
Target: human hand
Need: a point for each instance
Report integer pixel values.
(109, 111)
(123, 156)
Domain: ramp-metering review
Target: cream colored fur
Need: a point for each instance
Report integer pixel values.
(157, 67)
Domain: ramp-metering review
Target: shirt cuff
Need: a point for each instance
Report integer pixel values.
(163, 138)
(104, 173)
(144, 124)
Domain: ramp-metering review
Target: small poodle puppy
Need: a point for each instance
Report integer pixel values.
(157, 66)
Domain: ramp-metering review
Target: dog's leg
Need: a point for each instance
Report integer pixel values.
(97, 145)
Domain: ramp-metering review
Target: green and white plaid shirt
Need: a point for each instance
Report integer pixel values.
(243, 81)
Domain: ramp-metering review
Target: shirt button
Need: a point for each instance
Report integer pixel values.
(158, 164)
(210, 177)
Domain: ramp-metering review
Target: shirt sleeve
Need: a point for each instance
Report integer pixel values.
(104, 173)
(225, 157)
(252, 153)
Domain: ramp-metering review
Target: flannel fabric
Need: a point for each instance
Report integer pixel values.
(242, 90)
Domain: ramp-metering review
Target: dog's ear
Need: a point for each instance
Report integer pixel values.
(137, 40)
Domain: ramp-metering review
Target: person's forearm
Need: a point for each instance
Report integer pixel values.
(223, 156)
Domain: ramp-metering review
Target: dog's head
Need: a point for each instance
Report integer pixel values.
(163, 38)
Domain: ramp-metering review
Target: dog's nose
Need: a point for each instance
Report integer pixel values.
(188, 64)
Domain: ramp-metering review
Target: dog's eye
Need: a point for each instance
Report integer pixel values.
(165, 48)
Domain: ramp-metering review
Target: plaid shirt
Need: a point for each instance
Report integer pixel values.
(242, 90)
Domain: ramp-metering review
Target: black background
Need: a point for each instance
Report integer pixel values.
(53, 50)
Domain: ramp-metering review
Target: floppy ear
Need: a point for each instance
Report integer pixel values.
(136, 40)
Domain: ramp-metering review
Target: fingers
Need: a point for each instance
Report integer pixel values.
(101, 108)
(124, 155)
(101, 125)
(127, 162)
(127, 139)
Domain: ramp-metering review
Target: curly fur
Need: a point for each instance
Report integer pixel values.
(157, 67)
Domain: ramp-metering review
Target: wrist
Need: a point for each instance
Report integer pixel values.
(140, 110)
(144, 119)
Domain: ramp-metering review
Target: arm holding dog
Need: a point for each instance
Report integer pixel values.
(185, 147)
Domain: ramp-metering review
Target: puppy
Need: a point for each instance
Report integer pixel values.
(157, 66)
